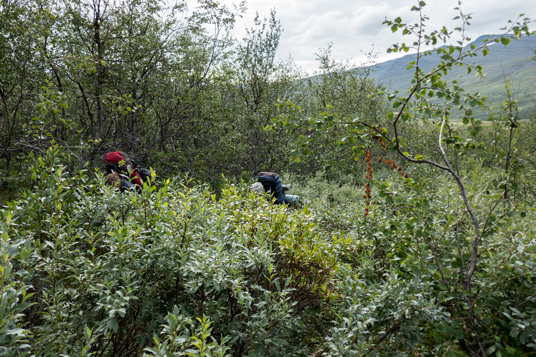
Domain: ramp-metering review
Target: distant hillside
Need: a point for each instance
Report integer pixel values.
(514, 61)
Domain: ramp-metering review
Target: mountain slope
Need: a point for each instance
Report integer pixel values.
(513, 62)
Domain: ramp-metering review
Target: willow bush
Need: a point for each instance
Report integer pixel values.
(182, 270)
(88, 271)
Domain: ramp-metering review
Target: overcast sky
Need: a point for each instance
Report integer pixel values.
(354, 27)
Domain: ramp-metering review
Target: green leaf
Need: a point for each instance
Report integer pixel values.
(505, 41)
(112, 324)
(530, 249)
(15, 331)
(87, 333)
(491, 349)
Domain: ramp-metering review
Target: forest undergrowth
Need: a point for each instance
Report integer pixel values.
(183, 270)
(415, 234)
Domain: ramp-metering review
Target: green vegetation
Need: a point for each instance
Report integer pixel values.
(512, 64)
(414, 236)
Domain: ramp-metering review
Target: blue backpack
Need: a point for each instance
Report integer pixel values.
(273, 185)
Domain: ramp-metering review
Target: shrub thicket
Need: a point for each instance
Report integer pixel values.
(178, 270)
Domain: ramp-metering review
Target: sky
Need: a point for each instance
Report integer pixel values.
(354, 27)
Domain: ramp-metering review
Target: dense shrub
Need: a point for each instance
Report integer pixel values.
(179, 270)
(174, 270)
(405, 295)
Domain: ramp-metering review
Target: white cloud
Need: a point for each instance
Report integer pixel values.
(354, 26)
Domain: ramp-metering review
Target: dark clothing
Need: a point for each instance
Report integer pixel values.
(273, 185)
(126, 185)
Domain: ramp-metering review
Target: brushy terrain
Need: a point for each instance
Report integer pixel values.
(415, 235)
(181, 270)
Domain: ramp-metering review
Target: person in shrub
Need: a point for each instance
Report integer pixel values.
(120, 163)
(272, 184)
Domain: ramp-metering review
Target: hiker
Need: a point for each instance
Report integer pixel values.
(271, 182)
(120, 163)
(273, 185)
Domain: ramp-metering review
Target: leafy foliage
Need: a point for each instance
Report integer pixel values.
(173, 270)
(177, 270)
(427, 250)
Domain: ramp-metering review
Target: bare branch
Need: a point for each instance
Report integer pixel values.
(476, 238)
